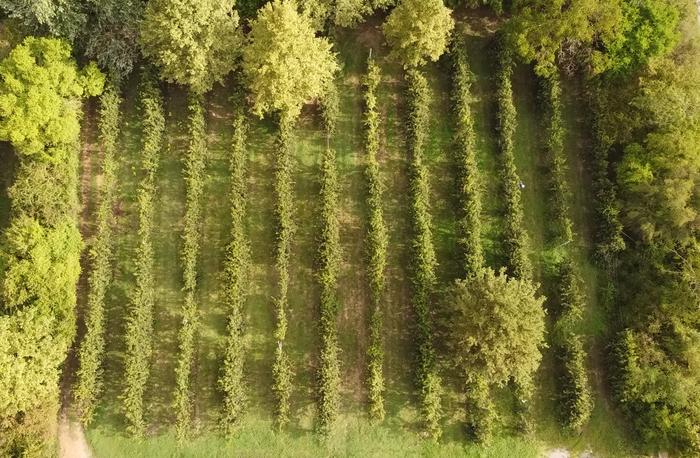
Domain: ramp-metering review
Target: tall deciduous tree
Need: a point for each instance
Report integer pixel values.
(40, 86)
(284, 63)
(112, 30)
(193, 42)
(497, 326)
(418, 31)
(61, 18)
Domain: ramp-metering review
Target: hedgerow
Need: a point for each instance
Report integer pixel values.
(91, 352)
(480, 411)
(329, 263)
(424, 261)
(281, 367)
(576, 403)
(516, 240)
(377, 241)
(236, 265)
(469, 187)
(575, 396)
(609, 241)
(194, 182)
(139, 326)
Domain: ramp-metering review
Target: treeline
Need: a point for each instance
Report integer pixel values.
(574, 393)
(236, 263)
(91, 353)
(40, 249)
(194, 188)
(424, 261)
(377, 241)
(139, 321)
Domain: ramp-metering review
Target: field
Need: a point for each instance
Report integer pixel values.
(399, 434)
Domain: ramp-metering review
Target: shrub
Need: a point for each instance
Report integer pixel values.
(377, 241)
(281, 367)
(194, 182)
(139, 326)
(424, 262)
(575, 400)
(469, 224)
(516, 240)
(91, 352)
(236, 265)
(329, 264)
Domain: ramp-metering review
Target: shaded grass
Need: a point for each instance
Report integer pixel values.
(7, 168)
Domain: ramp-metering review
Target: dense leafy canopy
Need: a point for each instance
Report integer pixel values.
(284, 63)
(615, 36)
(39, 96)
(61, 18)
(193, 42)
(497, 326)
(418, 31)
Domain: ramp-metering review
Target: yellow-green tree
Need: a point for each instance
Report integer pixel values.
(193, 42)
(418, 31)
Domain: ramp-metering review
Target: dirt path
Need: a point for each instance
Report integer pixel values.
(71, 439)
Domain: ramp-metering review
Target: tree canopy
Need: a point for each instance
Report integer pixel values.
(40, 89)
(61, 18)
(497, 326)
(284, 63)
(193, 42)
(418, 31)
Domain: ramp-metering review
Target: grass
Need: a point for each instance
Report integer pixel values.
(397, 436)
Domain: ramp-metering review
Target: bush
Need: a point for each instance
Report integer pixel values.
(329, 264)
(91, 352)
(469, 224)
(281, 367)
(377, 241)
(424, 262)
(236, 265)
(194, 182)
(575, 400)
(516, 240)
(139, 326)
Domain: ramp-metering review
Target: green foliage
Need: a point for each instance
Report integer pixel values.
(424, 261)
(111, 32)
(609, 241)
(236, 267)
(39, 251)
(377, 242)
(497, 328)
(139, 323)
(343, 13)
(659, 394)
(418, 31)
(193, 42)
(284, 63)
(516, 239)
(284, 211)
(329, 265)
(616, 37)
(481, 413)
(61, 18)
(194, 181)
(659, 174)
(574, 398)
(646, 29)
(469, 182)
(40, 89)
(91, 352)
